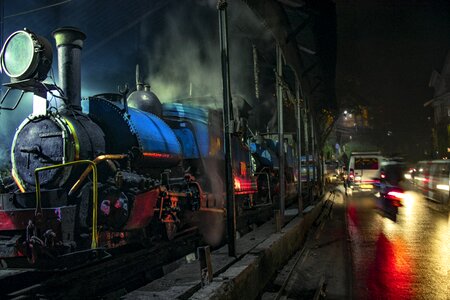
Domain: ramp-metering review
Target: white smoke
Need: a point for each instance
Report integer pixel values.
(184, 60)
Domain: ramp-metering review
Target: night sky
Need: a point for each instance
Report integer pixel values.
(386, 53)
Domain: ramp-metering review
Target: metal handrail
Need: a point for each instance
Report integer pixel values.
(96, 161)
(94, 192)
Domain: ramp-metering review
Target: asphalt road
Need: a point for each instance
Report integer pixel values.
(406, 258)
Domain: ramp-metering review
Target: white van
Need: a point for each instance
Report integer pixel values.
(432, 179)
(364, 170)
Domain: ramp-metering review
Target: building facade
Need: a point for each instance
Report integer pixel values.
(441, 108)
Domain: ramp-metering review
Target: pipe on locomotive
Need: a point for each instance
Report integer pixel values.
(96, 161)
(69, 42)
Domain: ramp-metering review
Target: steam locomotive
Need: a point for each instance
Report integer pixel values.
(114, 167)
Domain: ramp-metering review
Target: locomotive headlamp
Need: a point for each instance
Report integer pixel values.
(26, 55)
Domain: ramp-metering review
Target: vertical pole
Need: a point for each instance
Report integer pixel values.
(448, 196)
(278, 220)
(206, 272)
(313, 147)
(299, 147)
(307, 152)
(256, 71)
(280, 130)
(227, 123)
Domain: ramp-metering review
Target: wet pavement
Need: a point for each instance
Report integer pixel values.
(406, 258)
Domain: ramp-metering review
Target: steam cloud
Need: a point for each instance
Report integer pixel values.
(184, 59)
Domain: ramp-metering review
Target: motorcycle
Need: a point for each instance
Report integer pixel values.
(390, 198)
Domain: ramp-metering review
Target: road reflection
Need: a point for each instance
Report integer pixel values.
(389, 275)
(403, 259)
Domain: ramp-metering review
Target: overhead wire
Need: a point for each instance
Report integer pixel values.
(127, 27)
(34, 10)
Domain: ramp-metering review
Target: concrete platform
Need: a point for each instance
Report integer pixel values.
(324, 264)
(260, 254)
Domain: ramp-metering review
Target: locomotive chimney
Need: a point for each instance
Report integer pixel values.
(69, 42)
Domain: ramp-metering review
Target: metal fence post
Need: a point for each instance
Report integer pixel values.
(206, 272)
(227, 124)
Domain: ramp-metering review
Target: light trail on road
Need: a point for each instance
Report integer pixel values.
(403, 259)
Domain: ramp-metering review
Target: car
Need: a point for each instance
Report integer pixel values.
(365, 170)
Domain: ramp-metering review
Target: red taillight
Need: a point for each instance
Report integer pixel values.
(382, 175)
(396, 194)
(396, 198)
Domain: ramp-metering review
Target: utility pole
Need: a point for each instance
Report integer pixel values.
(227, 127)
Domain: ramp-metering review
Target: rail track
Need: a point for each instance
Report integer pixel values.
(107, 272)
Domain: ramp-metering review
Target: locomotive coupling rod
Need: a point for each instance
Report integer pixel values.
(96, 161)
(93, 167)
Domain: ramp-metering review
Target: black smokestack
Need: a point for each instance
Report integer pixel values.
(69, 42)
